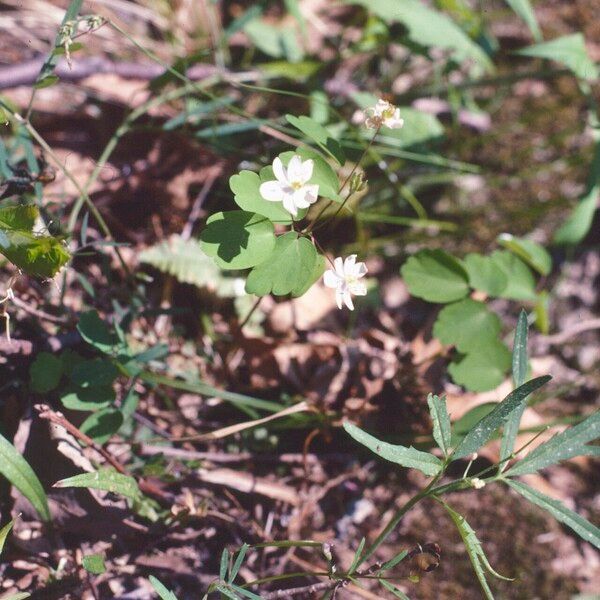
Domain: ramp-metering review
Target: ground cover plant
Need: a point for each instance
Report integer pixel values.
(299, 299)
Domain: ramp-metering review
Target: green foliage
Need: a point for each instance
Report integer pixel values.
(45, 372)
(483, 429)
(482, 359)
(278, 42)
(442, 433)
(161, 590)
(17, 470)
(292, 266)
(103, 424)
(568, 444)
(583, 528)
(318, 134)
(97, 333)
(435, 276)
(524, 9)
(401, 455)
(107, 480)
(568, 50)
(94, 564)
(183, 259)
(238, 239)
(430, 28)
(4, 534)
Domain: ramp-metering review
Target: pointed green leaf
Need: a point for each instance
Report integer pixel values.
(4, 534)
(318, 134)
(103, 424)
(393, 589)
(238, 239)
(583, 528)
(535, 255)
(435, 276)
(161, 589)
(468, 325)
(237, 565)
(441, 422)
(288, 270)
(390, 564)
(519, 369)
(568, 50)
(401, 455)
(579, 222)
(17, 470)
(484, 429)
(224, 565)
(485, 275)
(567, 444)
(245, 593)
(106, 480)
(357, 555)
(525, 11)
(483, 368)
(246, 188)
(97, 332)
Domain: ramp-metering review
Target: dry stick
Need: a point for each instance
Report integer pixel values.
(198, 202)
(306, 589)
(45, 412)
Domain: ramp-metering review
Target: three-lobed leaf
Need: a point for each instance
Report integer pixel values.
(485, 275)
(483, 368)
(238, 239)
(435, 276)
(288, 270)
(401, 455)
(520, 280)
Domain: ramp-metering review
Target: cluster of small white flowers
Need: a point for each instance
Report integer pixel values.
(293, 189)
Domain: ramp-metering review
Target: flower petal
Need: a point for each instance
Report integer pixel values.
(331, 279)
(312, 193)
(294, 170)
(360, 269)
(307, 170)
(348, 300)
(349, 264)
(272, 191)
(338, 263)
(339, 298)
(300, 198)
(279, 170)
(358, 289)
(289, 204)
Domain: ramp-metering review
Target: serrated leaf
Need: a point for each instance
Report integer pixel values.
(482, 369)
(106, 480)
(484, 429)
(161, 590)
(97, 333)
(468, 325)
(103, 424)
(246, 188)
(567, 444)
(37, 255)
(532, 253)
(318, 134)
(288, 270)
(401, 455)
(568, 50)
(519, 371)
(18, 472)
(19, 217)
(474, 550)
(45, 372)
(583, 528)
(485, 275)
(521, 283)
(429, 27)
(94, 564)
(435, 276)
(238, 239)
(184, 260)
(441, 422)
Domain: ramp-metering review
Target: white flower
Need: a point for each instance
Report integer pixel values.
(477, 483)
(383, 114)
(344, 279)
(291, 186)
